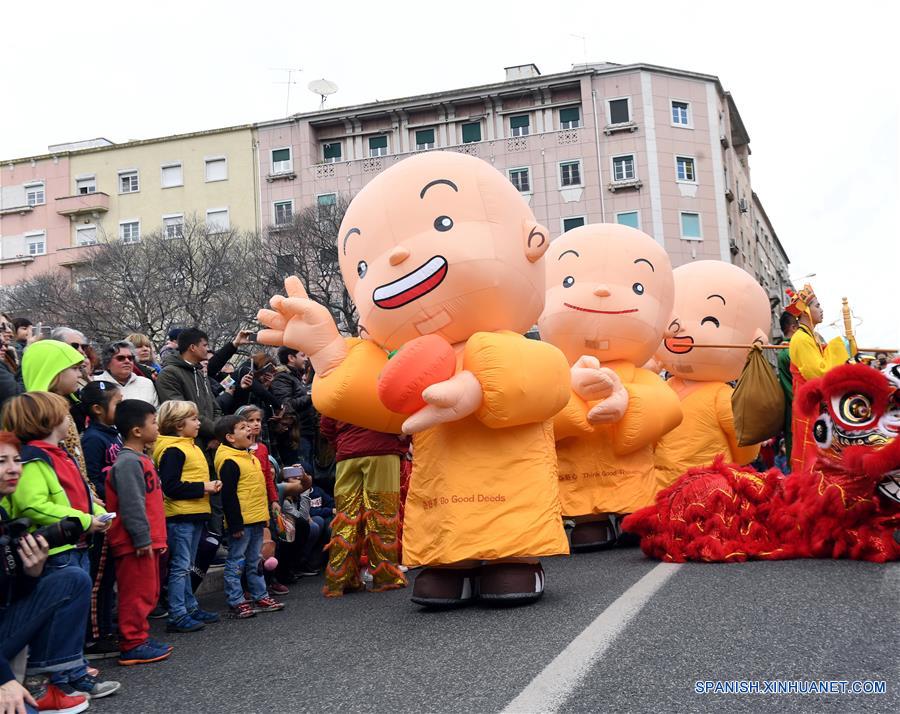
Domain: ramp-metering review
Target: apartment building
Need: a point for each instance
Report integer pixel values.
(660, 149)
(53, 207)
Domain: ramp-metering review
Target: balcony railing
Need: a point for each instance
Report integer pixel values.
(82, 203)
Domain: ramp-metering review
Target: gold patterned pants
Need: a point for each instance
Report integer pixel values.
(366, 497)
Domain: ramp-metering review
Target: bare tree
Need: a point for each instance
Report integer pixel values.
(307, 248)
(216, 279)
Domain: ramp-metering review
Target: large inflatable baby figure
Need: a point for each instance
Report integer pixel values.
(716, 303)
(443, 260)
(609, 299)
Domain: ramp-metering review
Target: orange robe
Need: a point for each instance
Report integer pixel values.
(809, 360)
(608, 468)
(706, 432)
(484, 487)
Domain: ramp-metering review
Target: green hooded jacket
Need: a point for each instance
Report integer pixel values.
(45, 359)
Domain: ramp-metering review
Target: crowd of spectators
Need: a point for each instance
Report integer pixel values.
(124, 476)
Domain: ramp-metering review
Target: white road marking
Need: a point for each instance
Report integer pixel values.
(555, 684)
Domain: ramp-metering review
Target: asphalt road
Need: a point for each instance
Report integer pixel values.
(798, 620)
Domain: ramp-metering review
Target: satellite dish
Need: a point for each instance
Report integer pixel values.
(324, 88)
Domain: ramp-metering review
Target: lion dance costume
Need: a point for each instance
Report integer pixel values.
(846, 504)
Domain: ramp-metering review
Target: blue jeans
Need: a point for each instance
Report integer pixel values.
(184, 537)
(313, 545)
(244, 557)
(50, 621)
(75, 558)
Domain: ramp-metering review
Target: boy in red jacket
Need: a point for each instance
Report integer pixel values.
(137, 536)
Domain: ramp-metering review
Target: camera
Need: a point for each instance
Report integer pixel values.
(64, 532)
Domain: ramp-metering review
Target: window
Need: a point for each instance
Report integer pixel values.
(570, 223)
(130, 231)
(519, 125)
(128, 182)
(217, 219)
(281, 161)
(34, 194)
(623, 167)
(619, 111)
(171, 175)
(680, 114)
(326, 203)
(331, 152)
(471, 132)
(36, 243)
(284, 212)
(520, 179)
(424, 139)
(570, 118)
(684, 169)
(86, 185)
(629, 218)
(378, 146)
(85, 235)
(217, 168)
(570, 173)
(173, 226)
(690, 226)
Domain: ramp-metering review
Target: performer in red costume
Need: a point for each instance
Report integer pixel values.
(846, 504)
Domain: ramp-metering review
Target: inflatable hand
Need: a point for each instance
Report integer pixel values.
(611, 408)
(413, 368)
(590, 381)
(303, 324)
(448, 401)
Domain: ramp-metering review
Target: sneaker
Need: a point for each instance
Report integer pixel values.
(52, 700)
(93, 671)
(146, 653)
(242, 611)
(366, 576)
(92, 687)
(159, 612)
(305, 571)
(267, 604)
(204, 616)
(185, 623)
(162, 645)
(103, 648)
(278, 589)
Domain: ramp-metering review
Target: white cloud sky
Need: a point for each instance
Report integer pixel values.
(815, 83)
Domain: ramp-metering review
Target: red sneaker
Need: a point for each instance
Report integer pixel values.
(242, 611)
(55, 701)
(278, 589)
(267, 604)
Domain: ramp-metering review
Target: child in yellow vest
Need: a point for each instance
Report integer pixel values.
(184, 474)
(246, 514)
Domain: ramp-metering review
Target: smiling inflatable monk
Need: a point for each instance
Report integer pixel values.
(444, 262)
(609, 299)
(715, 303)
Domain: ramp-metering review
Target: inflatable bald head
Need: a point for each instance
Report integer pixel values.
(609, 294)
(441, 243)
(715, 303)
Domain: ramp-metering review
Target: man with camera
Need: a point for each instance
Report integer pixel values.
(46, 612)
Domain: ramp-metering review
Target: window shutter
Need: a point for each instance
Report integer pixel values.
(571, 114)
(628, 219)
(377, 142)
(471, 132)
(519, 122)
(281, 155)
(332, 150)
(690, 225)
(425, 136)
(618, 111)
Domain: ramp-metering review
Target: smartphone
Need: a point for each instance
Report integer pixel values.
(252, 336)
(106, 517)
(228, 382)
(292, 472)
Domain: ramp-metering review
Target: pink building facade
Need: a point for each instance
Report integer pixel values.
(660, 149)
(35, 231)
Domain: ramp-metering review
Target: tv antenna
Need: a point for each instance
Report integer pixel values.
(290, 80)
(324, 88)
(583, 39)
